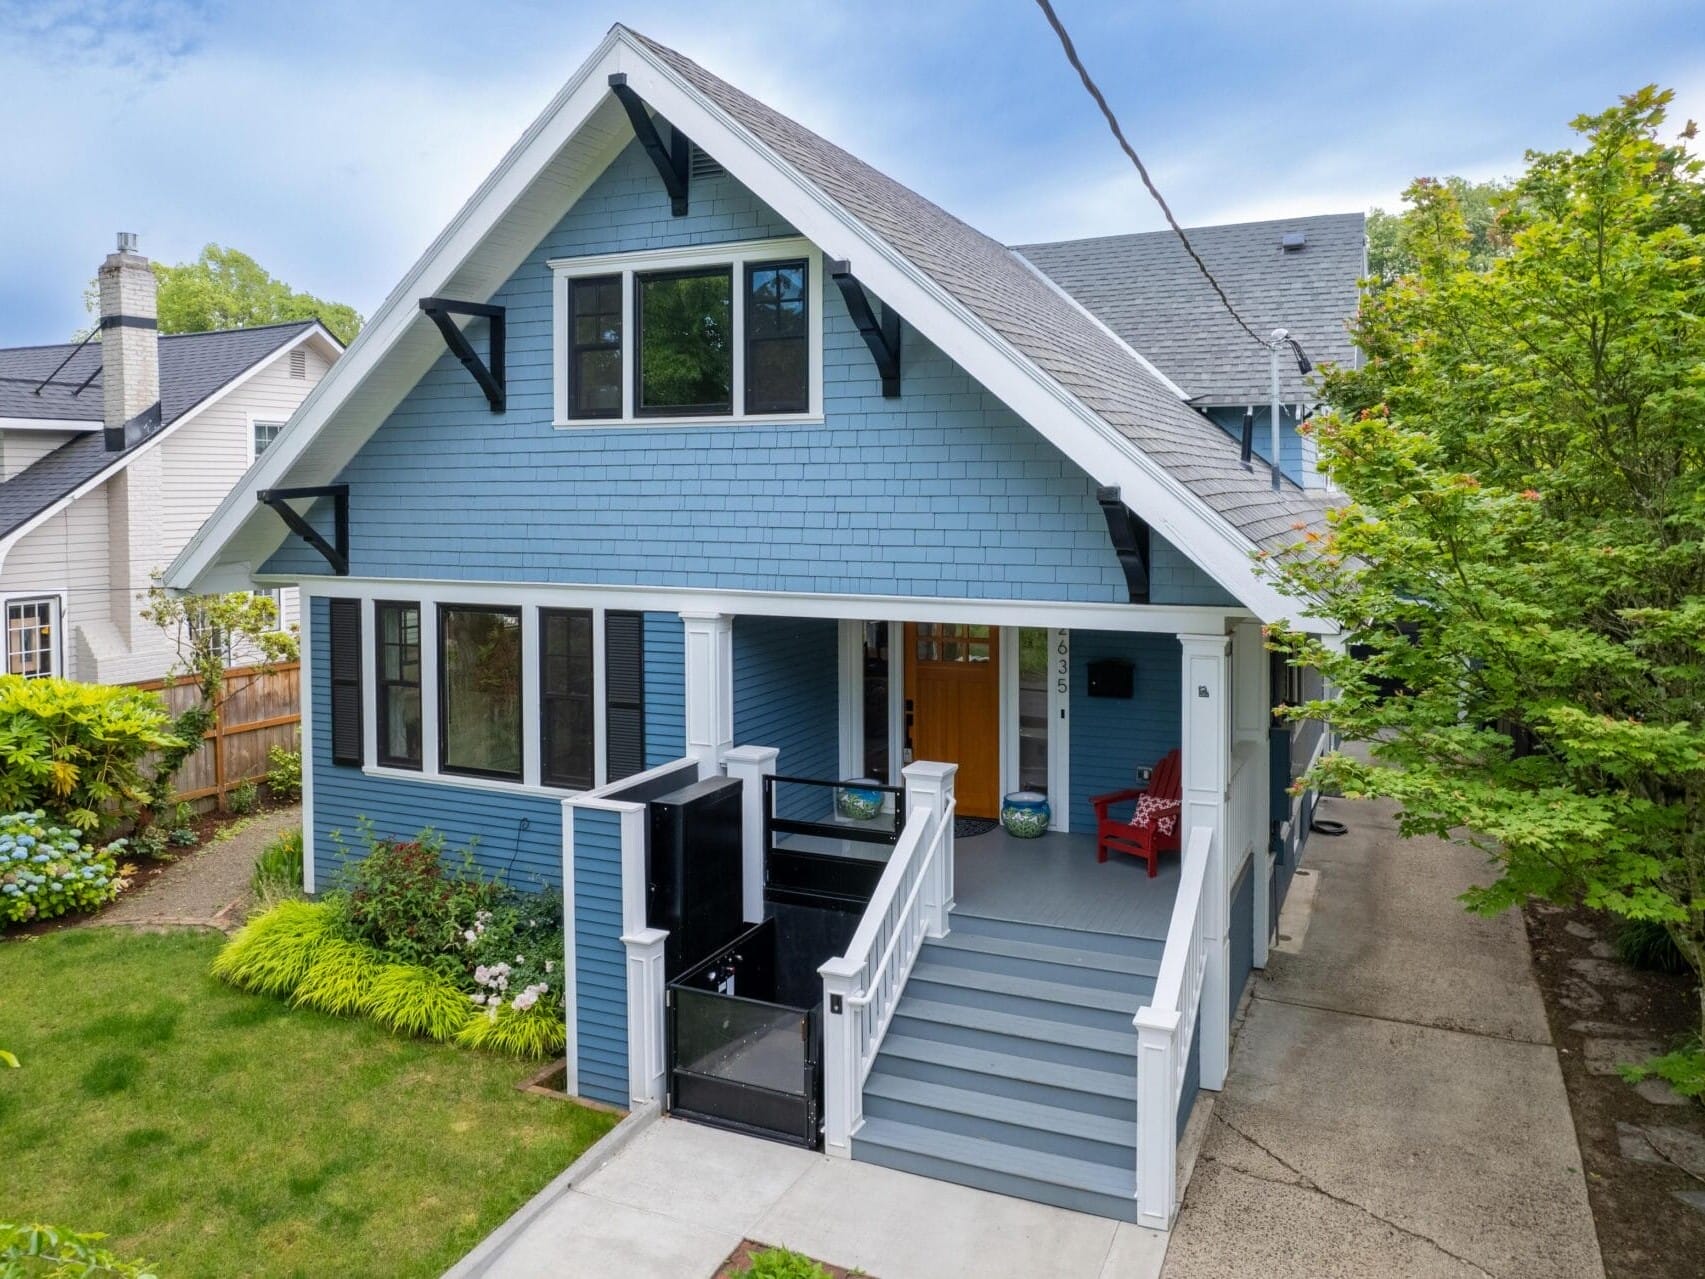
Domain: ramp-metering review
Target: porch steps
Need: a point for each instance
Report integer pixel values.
(1010, 1065)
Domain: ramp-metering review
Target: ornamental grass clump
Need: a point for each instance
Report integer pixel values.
(273, 952)
(340, 978)
(418, 1001)
(47, 870)
(536, 1030)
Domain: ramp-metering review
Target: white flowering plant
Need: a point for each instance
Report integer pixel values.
(515, 949)
(47, 869)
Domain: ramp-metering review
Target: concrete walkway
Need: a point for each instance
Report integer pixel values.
(209, 886)
(677, 1201)
(1394, 1105)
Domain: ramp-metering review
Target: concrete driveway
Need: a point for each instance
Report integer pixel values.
(1394, 1105)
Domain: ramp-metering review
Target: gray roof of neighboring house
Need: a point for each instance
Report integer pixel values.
(193, 366)
(1022, 308)
(1148, 291)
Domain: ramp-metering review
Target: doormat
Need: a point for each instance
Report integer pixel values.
(971, 827)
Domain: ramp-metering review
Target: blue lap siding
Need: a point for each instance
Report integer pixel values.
(665, 689)
(1112, 737)
(943, 491)
(1242, 929)
(600, 961)
(786, 673)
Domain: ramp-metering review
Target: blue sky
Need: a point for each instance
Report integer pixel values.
(332, 141)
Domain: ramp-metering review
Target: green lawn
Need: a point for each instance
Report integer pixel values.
(219, 1133)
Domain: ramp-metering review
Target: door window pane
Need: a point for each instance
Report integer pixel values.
(777, 329)
(480, 690)
(595, 347)
(1033, 668)
(565, 697)
(398, 691)
(876, 685)
(686, 361)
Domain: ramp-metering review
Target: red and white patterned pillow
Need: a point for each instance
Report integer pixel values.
(1162, 814)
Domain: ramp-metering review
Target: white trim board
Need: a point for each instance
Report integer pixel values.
(1162, 619)
(71, 425)
(1088, 440)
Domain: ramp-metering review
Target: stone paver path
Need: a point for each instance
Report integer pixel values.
(209, 887)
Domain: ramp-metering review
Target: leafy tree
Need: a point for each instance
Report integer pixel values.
(225, 288)
(1390, 254)
(208, 630)
(1523, 552)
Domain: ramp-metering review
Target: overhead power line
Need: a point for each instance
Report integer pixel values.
(1118, 133)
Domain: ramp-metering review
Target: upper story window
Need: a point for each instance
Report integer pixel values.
(711, 333)
(32, 637)
(265, 433)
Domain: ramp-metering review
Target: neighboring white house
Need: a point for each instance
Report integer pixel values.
(113, 453)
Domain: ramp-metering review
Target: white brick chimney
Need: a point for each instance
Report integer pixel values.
(130, 384)
(130, 345)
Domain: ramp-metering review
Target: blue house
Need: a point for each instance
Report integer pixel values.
(695, 447)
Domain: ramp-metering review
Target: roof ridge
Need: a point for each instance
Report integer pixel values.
(1164, 232)
(197, 333)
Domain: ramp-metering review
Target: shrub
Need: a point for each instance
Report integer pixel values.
(49, 1251)
(77, 750)
(278, 869)
(272, 953)
(339, 979)
(514, 951)
(535, 1031)
(151, 842)
(418, 1001)
(284, 773)
(779, 1263)
(1647, 943)
(400, 901)
(47, 870)
(243, 797)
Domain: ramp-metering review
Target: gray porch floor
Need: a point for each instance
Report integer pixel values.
(1055, 880)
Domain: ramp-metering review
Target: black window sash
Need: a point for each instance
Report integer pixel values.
(576, 348)
(751, 342)
(548, 702)
(640, 408)
(344, 643)
(385, 685)
(444, 766)
(624, 695)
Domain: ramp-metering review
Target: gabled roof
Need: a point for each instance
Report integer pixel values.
(194, 367)
(1061, 369)
(1149, 292)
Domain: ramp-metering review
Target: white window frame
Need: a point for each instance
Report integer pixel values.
(1059, 720)
(431, 764)
(256, 419)
(55, 600)
(736, 257)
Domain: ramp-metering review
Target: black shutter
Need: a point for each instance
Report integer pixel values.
(624, 695)
(346, 681)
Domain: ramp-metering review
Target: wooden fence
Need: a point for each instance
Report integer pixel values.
(262, 709)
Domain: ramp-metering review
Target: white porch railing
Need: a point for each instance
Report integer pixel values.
(862, 987)
(1165, 1028)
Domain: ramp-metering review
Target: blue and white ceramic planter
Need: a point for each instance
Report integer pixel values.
(1026, 814)
(855, 802)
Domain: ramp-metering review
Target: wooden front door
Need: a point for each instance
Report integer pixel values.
(953, 707)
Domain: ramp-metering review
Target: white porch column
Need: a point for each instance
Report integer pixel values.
(1251, 720)
(929, 787)
(709, 677)
(1206, 721)
(751, 764)
(646, 989)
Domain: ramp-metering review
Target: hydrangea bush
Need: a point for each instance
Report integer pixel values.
(47, 870)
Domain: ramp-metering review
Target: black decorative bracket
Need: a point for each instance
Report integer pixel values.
(671, 161)
(882, 337)
(336, 555)
(1130, 538)
(488, 373)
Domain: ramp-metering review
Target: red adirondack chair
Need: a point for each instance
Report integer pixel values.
(1152, 828)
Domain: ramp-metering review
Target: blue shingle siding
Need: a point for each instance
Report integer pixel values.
(517, 836)
(786, 695)
(1113, 737)
(600, 961)
(665, 689)
(1230, 420)
(941, 492)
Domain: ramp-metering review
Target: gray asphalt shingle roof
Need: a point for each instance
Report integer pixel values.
(1020, 307)
(1148, 291)
(193, 366)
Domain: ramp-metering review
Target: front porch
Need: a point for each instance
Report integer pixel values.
(1054, 881)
